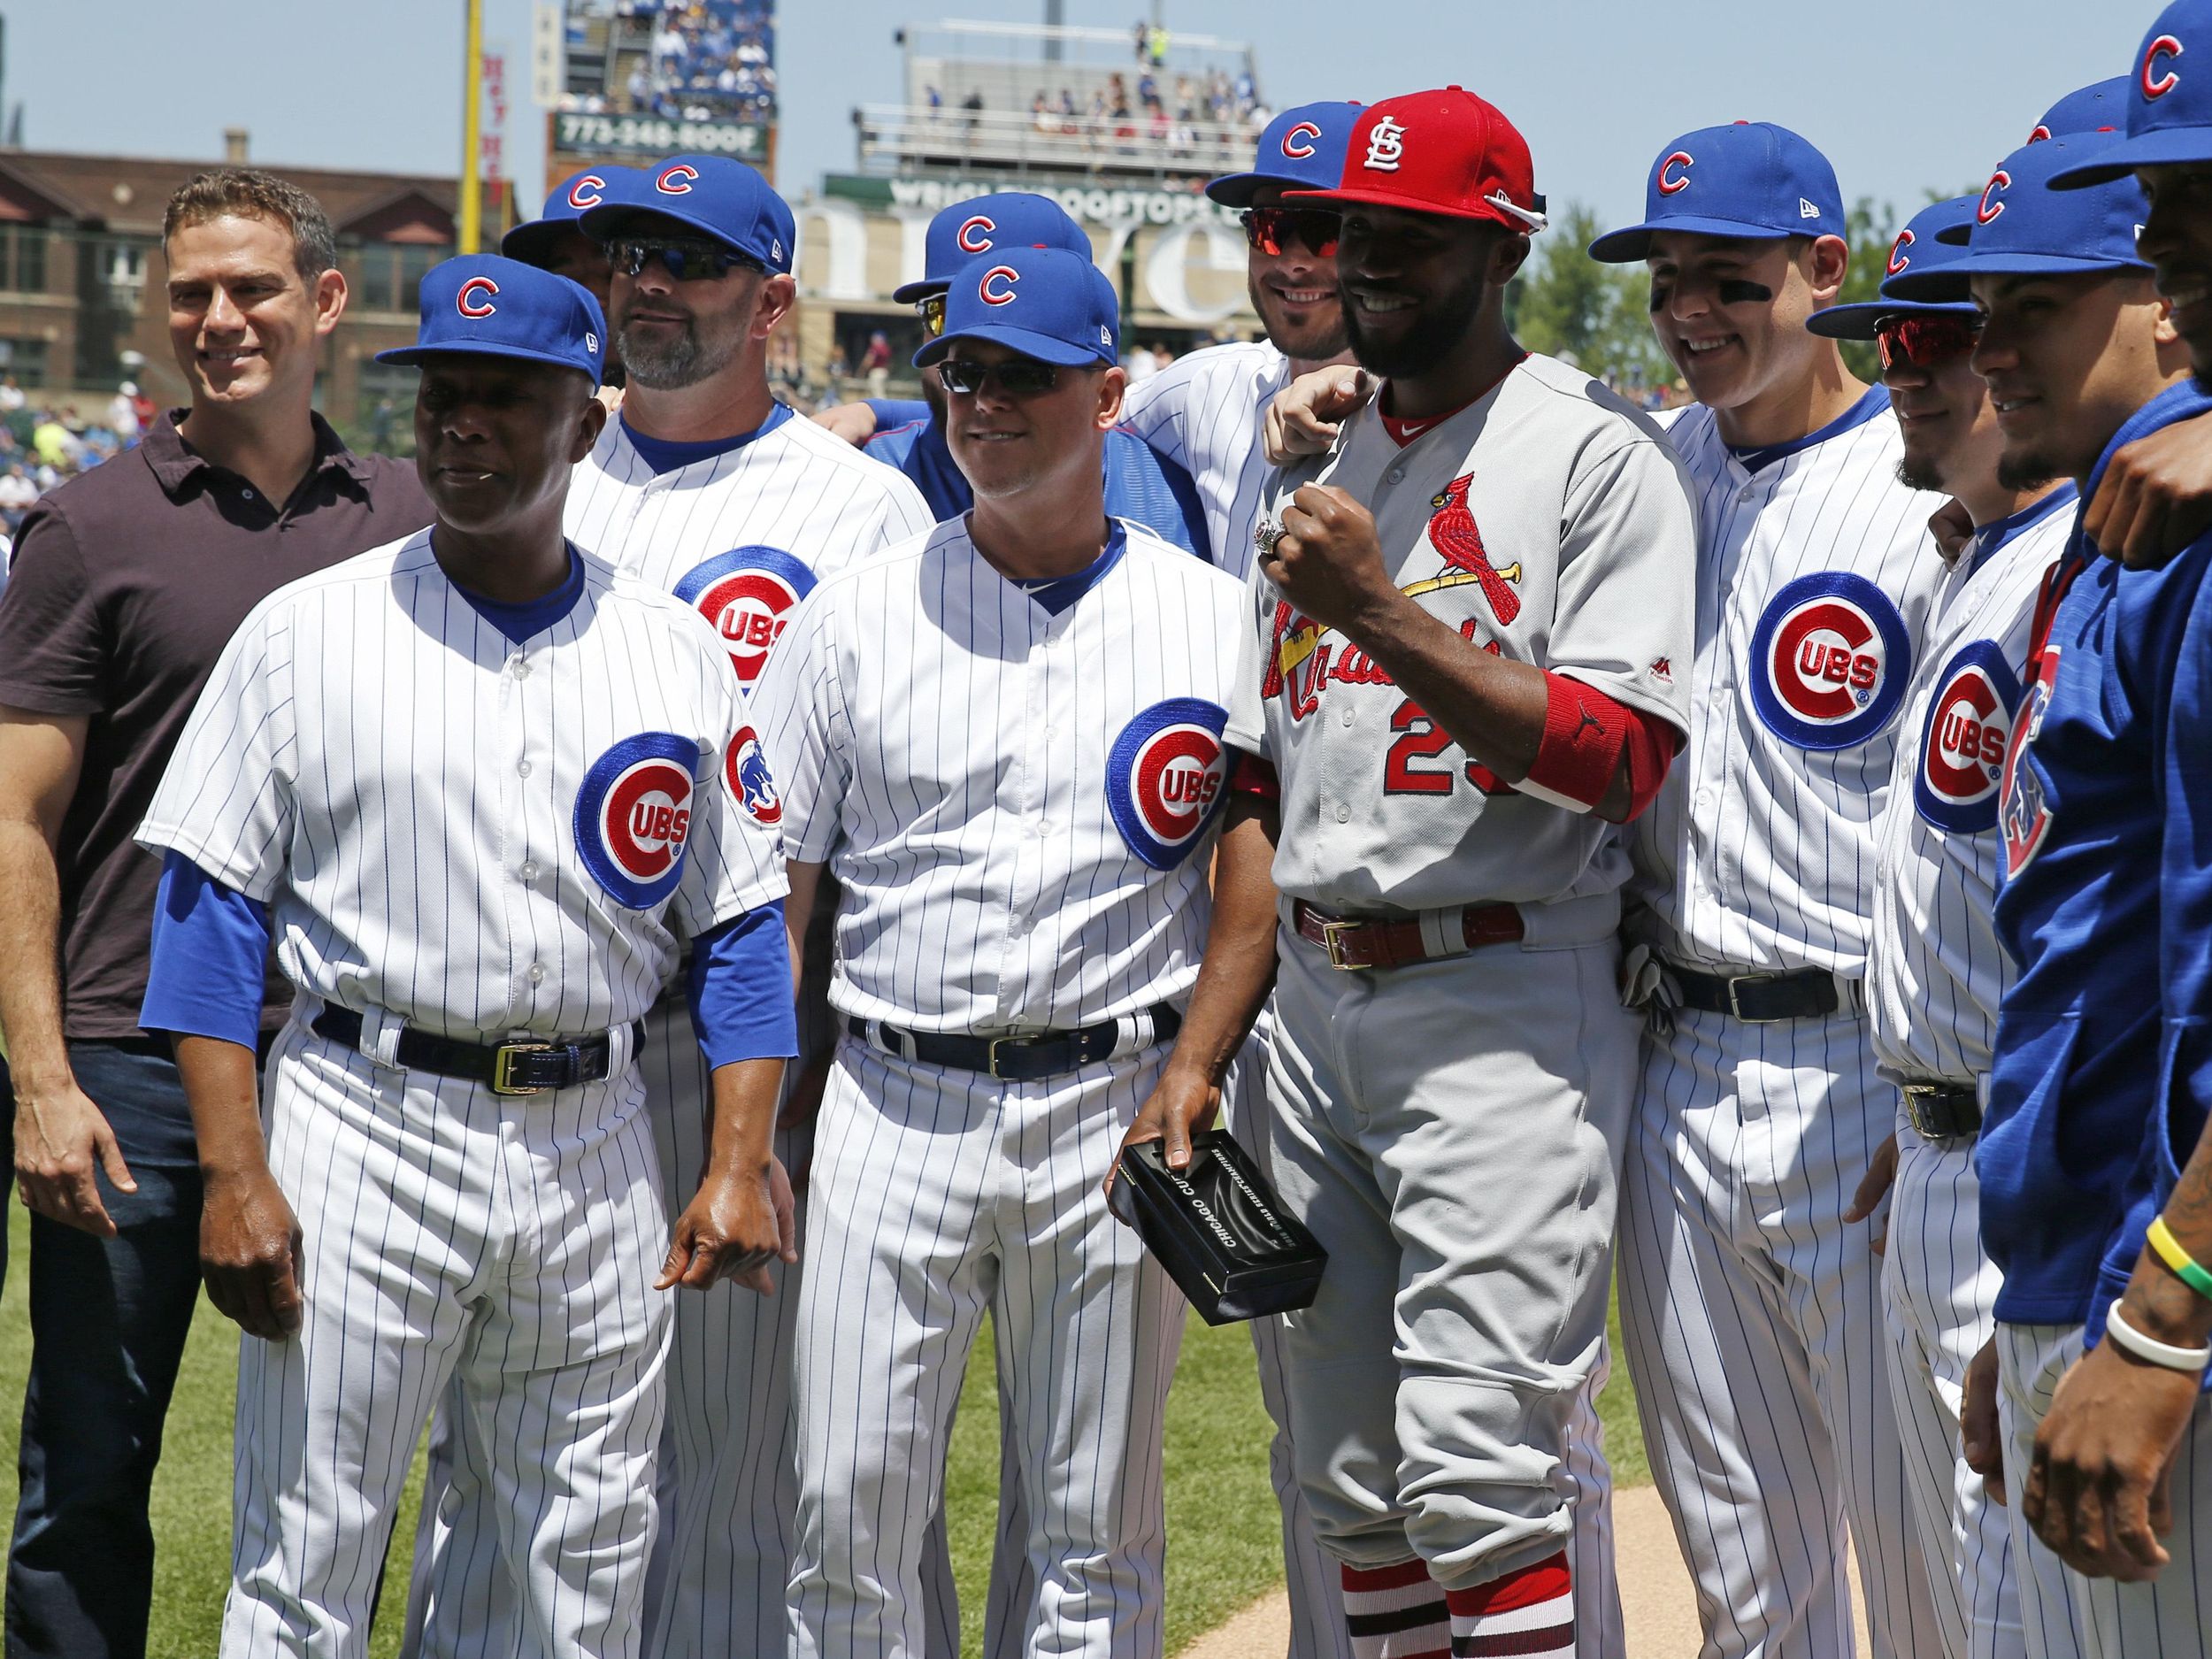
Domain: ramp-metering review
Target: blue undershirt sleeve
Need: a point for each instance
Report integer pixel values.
(742, 1005)
(211, 945)
(895, 411)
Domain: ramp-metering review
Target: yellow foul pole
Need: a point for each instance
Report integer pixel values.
(473, 131)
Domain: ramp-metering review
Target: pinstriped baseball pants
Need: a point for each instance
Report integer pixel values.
(938, 1194)
(2063, 1614)
(1753, 1317)
(447, 1231)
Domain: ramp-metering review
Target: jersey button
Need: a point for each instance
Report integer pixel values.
(1347, 714)
(529, 871)
(1397, 475)
(1343, 812)
(537, 974)
(522, 670)
(522, 769)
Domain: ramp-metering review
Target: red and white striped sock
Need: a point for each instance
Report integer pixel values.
(1529, 1614)
(1396, 1612)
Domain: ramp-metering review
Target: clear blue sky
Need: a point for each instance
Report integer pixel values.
(1904, 96)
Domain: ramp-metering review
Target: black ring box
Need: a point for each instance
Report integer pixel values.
(1219, 1229)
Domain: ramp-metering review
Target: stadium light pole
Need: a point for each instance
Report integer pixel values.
(472, 129)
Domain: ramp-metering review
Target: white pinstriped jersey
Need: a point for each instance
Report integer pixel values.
(1547, 522)
(476, 835)
(1017, 804)
(1205, 409)
(743, 536)
(1815, 577)
(1935, 971)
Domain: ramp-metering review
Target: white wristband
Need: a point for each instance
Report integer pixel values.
(2188, 1359)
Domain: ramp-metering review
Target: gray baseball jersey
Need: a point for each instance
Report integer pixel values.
(1548, 521)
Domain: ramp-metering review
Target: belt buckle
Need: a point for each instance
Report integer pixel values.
(1735, 1001)
(1332, 932)
(996, 1044)
(503, 1059)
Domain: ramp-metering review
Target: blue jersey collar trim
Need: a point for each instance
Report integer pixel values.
(1059, 593)
(520, 622)
(665, 455)
(1873, 402)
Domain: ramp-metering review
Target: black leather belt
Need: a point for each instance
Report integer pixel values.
(1942, 1111)
(1011, 1059)
(522, 1067)
(1760, 999)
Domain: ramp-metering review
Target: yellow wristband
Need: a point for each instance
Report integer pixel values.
(2184, 1265)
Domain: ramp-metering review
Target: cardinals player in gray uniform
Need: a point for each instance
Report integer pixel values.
(1456, 684)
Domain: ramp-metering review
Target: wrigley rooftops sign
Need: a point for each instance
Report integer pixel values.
(1101, 204)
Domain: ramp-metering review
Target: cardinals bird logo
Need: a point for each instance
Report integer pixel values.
(1454, 535)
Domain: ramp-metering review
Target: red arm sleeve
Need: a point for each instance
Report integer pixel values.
(1586, 735)
(1251, 775)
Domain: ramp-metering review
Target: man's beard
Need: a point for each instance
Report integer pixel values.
(1319, 341)
(1919, 472)
(666, 363)
(1438, 328)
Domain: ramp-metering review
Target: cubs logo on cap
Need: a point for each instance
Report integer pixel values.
(2025, 809)
(587, 190)
(1047, 304)
(995, 286)
(1007, 220)
(475, 297)
(716, 196)
(1992, 202)
(1748, 181)
(1900, 259)
(746, 594)
(534, 242)
(746, 769)
(633, 817)
(1167, 777)
(2169, 101)
(484, 305)
(1925, 244)
(1962, 744)
(1828, 661)
(1303, 148)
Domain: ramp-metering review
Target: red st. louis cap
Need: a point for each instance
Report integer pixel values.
(1445, 152)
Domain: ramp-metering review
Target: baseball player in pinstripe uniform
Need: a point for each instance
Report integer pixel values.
(1934, 969)
(1003, 739)
(703, 487)
(483, 781)
(1752, 1310)
(2101, 1349)
(1498, 539)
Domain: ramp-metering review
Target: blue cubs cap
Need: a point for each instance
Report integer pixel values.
(486, 306)
(2169, 100)
(2095, 108)
(2023, 228)
(1012, 218)
(1300, 148)
(533, 241)
(1919, 247)
(1751, 180)
(713, 194)
(1044, 303)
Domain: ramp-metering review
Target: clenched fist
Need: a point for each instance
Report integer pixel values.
(1324, 556)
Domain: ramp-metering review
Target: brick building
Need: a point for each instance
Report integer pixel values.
(82, 282)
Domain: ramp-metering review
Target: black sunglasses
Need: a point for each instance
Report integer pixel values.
(686, 258)
(1017, 377)
(1273, 229)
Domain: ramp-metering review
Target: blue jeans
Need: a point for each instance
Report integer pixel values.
(109, 1318)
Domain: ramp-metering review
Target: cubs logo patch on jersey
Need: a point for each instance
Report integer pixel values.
(1830, 660)
(747, 770)
(1962, 745)
(2025, 814)
(747, 593)
(1167, 776)
(633, 817)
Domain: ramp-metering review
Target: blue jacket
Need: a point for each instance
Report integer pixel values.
(1142, 484)
(2065, 1159)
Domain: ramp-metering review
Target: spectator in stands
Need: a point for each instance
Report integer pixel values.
(1140, 364)
(123, 415)
(875, 365)
(11, 394)
(1148, 90)
(1041, 113)
(17, 493)
(973, 104)
(53, 443)
(143, 406)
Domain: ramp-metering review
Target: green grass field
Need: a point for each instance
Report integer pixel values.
(1224, 1546)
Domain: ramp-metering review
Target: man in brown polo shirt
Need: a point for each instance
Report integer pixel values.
(127, 583)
